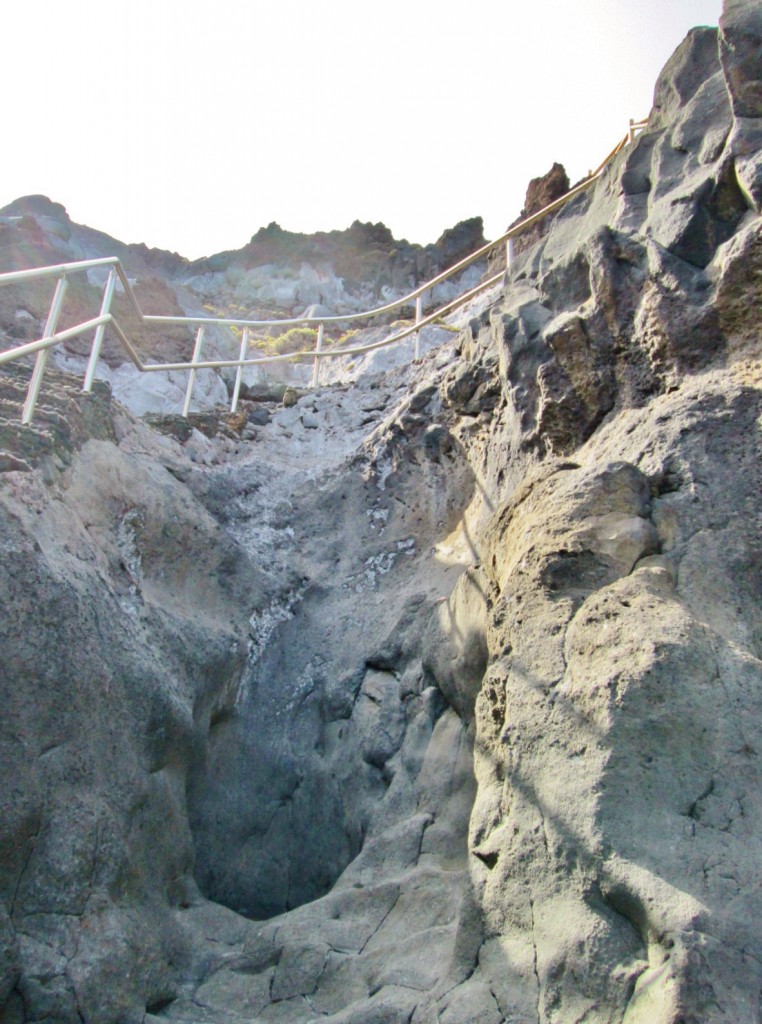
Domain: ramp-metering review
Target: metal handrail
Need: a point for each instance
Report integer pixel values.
(13, 276)
(51, 336)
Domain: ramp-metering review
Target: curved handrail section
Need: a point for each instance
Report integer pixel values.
(52, 336)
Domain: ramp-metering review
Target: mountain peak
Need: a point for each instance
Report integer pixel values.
(37, 205)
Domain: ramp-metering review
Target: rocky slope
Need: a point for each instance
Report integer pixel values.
(279, 274)
(431, 699)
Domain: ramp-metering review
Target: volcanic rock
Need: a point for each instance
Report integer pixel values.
(440, 702)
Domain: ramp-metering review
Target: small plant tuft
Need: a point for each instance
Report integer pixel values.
(297, 339)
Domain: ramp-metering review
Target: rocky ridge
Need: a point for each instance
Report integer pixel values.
(437, 696)
(279, 274)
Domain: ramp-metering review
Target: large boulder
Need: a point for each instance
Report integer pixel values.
(125, 630)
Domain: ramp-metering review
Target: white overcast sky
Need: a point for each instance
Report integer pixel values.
(188, 125)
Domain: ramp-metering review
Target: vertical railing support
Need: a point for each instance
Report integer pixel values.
(95, 352)
(318, 350)
(631, 131)
(509, 253)
(239, 371)
(42, 356)
(418, 318)
(192, 378)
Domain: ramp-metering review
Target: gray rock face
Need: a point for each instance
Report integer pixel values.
(439, 700)
(278, 274)
(686, 71)
(114, 660)
(599, 722)
(741, 55)
(344, 680)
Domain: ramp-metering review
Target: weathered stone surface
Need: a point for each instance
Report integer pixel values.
(455, 648)
(9, 957)
(741, 55)
(278, 274)
(457, 694)
(110, 677)
(588, 585)
(354, 735)
(745, 143)
(740, 274)
(693, 62)
(541, 192)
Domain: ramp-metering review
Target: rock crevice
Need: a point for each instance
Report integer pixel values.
(435, 700)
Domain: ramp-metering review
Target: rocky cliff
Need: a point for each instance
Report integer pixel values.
(429, 700)
(279, 274)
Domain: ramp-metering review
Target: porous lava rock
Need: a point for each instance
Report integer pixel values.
(439, 701)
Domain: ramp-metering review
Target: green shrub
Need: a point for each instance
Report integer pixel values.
(297, 339)
(347, 336)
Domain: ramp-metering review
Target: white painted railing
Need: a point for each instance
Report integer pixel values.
(52, 336)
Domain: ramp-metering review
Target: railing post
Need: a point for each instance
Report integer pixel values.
(239, 371)
(42, 355)
(192, 378)
(318, 349)
(418, 318)
(95, 352)
(509, 254)
(631, 131)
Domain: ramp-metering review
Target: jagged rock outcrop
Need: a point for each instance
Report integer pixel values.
(362, 255)
(433, 699)
(115, 658)
(541, 192)
(278, 274)
(740, 52)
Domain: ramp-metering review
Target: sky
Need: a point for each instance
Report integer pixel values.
(188, 125)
